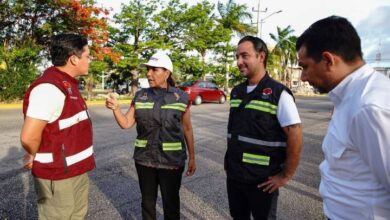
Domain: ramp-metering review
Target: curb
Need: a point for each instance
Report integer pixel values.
(11, 106)
(19, 105)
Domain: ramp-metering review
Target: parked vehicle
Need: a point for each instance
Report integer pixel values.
(124, 87)
(203, 91)
(108, 85)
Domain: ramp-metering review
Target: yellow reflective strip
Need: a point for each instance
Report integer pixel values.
(144, 105)
(262, 103)
(178, 104)
(255, 159)
(235, 102)
(172, 146)
(173, 107)
(263, 109)
(256, 156)
(140, 143)
(255, 162)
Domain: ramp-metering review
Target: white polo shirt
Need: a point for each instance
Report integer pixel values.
(46, 102)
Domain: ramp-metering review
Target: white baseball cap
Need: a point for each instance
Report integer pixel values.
(160, 59)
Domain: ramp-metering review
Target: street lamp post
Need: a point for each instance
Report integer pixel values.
(103, 76)
(258, 11)
(263, 20)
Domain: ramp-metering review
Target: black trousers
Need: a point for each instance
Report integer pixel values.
(169, 182)
(247, 199)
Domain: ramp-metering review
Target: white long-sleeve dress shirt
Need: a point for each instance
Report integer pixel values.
(355, 175)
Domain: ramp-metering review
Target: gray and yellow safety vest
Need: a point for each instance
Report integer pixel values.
(158, 114)
(256, 141)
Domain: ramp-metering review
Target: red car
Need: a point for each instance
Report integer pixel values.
(203, 91)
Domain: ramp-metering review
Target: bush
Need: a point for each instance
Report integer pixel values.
(14, 84)
(17, 70)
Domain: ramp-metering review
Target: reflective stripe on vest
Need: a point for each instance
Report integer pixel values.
(262, 106)
(259, 142)
(67, 122)
(144, 105)
(255, 159)
(172, 146)
(140, 143)
(234, 103)
(79, 156)
(177, 106)
(48, 157)
(44, 157)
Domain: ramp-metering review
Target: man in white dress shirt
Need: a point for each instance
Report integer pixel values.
(355, 175)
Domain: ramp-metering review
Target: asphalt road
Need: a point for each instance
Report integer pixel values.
(114, 187)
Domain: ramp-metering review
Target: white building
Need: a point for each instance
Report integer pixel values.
(382, 67)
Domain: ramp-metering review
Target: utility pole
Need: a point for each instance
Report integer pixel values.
(263, 20)
(258, 20)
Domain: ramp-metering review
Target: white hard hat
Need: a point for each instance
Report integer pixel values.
(160, 59)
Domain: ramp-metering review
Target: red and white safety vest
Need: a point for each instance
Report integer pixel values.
(66, 147)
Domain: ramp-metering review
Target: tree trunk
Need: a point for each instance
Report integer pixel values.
(90, 84)
(134, 82)
(227, 69)
(203, 58)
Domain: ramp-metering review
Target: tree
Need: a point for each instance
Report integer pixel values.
(132, 39)
(32, 23)
(39, 20)
(203, 33)
(189, 67)
(96, 70)
(18, 68)
(171, 25)
(84, 20)
(285, 51)
(233, 18)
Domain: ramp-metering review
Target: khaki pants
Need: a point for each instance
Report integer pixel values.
(62, 199)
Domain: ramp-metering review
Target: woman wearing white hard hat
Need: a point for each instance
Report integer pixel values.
(164, 129)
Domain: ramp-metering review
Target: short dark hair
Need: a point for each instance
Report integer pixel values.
(65, 45)
(258, 45)
(334, 34)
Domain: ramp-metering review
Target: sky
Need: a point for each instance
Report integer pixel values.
(371, 18)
